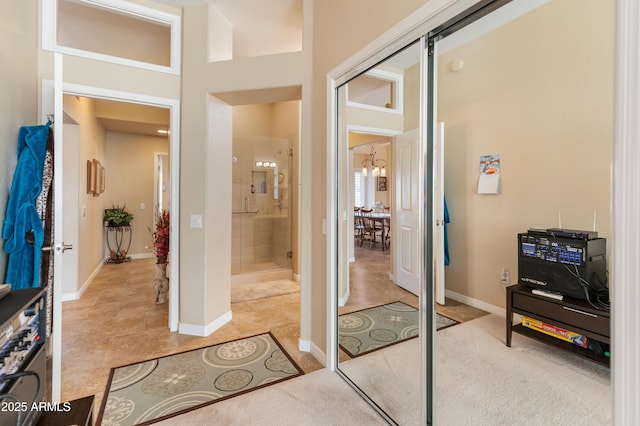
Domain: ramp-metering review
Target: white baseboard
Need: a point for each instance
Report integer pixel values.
(344, 299)
(66, 297)
(309, 347)
(204, 330)
(142, 256)
(476, 303)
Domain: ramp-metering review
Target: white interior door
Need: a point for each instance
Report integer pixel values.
(58, 168)
(407, 228)
(438, 214)
(71, 166)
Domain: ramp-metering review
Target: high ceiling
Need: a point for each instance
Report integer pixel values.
(260, 27)
(269, 24)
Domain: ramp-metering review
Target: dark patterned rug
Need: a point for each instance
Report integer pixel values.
(374, 328)
(160, 388)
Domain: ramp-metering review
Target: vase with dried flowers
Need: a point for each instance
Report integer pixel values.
(161, 250)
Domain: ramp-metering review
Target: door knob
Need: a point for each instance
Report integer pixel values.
(61, 248)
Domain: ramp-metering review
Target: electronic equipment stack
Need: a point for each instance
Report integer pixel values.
(569, 262)
(23, 378)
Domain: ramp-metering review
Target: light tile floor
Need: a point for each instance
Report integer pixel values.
(116, 321)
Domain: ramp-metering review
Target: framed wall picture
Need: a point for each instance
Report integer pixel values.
(89, 177)
(382, 183)
(94, 183)
(102, 176)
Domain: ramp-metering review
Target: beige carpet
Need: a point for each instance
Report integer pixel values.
(479, 381)
(530, 383)
(317, 398)
(254, 291)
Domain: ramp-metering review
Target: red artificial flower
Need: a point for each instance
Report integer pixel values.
(161, 237)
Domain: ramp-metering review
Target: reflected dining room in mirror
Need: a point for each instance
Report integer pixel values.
(372, 226)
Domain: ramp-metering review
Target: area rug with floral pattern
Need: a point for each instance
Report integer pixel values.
(374, 328)
(160, 388)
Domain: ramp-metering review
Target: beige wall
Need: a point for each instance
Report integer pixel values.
(90, 145)
(128, 160)
(130, 181)
(19, 88)
(543, 101)
(206, 170)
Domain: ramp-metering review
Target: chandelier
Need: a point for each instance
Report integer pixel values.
(377, 166)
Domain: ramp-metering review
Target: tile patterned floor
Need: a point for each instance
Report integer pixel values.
(116, 322)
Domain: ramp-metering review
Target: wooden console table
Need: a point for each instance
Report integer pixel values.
(571, 314)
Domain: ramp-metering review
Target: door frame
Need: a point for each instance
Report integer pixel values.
(174, 155)
(52, 96)
(378, 131)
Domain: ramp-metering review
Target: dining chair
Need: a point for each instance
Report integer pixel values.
(371, 230)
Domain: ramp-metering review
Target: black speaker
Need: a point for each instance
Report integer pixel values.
(574, 267)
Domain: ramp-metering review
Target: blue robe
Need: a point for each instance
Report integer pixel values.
(446, 239)
(23, 268)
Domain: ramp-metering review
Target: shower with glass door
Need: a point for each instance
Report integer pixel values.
(261, 210)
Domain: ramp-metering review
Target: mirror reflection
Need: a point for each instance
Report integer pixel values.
(529, 86)
(521, 84)
(379, 267)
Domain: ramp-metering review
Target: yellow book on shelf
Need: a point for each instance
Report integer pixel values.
(554, 331)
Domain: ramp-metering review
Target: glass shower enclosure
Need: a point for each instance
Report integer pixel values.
(261, 208)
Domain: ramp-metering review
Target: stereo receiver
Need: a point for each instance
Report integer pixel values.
(574, 265)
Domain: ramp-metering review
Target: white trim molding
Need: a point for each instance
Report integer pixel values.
(309, 347)
(127, 8)
(397, 80)
(204, 330)
(66, 297)
(487, 307)
(625, 291)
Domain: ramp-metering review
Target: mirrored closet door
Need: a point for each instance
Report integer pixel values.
(379, 241)
(482, 83)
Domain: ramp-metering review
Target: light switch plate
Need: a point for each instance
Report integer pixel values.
(195, 221)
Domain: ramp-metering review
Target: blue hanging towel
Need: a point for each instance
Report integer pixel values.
(23, 267)
(446, 240)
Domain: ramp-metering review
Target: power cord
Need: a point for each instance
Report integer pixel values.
(16, 376)
(12, 396)
(589, 289)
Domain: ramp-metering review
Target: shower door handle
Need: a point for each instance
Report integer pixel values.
(246, 208)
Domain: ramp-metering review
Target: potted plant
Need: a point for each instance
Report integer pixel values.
(117, 216)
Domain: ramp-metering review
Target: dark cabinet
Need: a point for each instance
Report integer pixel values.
(570, 314)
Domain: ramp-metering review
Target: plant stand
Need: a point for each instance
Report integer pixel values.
(161, 283)
(118, 243)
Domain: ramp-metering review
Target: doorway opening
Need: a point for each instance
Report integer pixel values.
(53, 97)
(264, 199)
